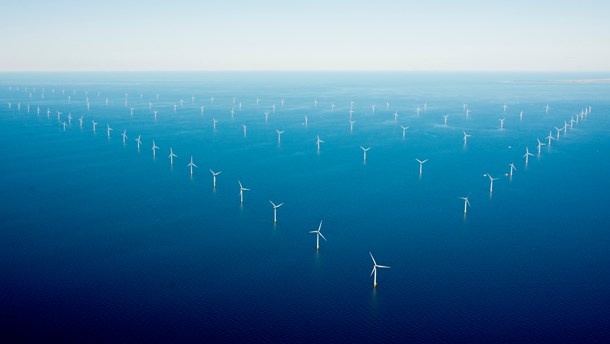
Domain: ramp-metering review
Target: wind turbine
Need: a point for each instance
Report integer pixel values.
(154, 149)
(318, 141)
(155, 113)
(404, 131)
(547, 108)
(466, 203)
(550, 138)
(244, 126)
(214, 174)
(108, 129)
(266, 116)
(191, 165)
(512, 168)
(275, 210)
(80, 122)
(171, 156)
(124, 135)
(558, 131)
(318, 235)
(351, 125)
(279, 135)
(527, 155)
(375, 267)
(445, 117)
(364, 150)
(421, 165)
(491, 182)
(466, 136)
(139, 141)
(502, 122)
(505, 108)
(306, 121)
(521, 115)
(540, 144)
(241, 192)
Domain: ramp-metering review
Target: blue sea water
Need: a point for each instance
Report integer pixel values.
(100, 242)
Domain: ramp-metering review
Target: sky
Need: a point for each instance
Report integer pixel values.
(314, 35)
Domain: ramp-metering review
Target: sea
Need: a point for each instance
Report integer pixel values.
(102, 242)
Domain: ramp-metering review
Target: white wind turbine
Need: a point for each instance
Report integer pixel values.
(108, 129)
(171, 156)
(421, 165)
(154, 149)
(191, 165)
(364, 150)
(445, 118)
(318, 141)
(351, 125)
(550, 138)
(279, 135)
(502, 123)
(124, 136)
(241, 192)
(214, 174)
(404, 131)
(266, 116)
(558, 131)
(466, 203)
(491, 182)
(306, 121)
(244, 126)
(139, 141)
(80, 122)
(527, 155)
(540, 144)
(512, 168)
(466, 136)
(318, 235)
(375, 267)
(275, 210)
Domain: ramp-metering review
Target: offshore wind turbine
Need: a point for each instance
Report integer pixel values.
(275, 210)
(466, 203)
(214, 121)
(124, 136)
(491, 182)
(521, 115)
(306, 121)
(191, 165)
(318, 234)
(266, 116)
(445, 119)
(214, 174)
(404, 131)
(155, 113)
(318, 141)
(421, 165)
(80, 122)
(466, 136)
(375, 267)
(65, 125)
(279, 135)
(558, 131)
(108, 129)
(171, 156)
(512, 168)
(550, 138)
(502, 123)
(540, 144)
(139, 141)
(396, 116)
(527, 155)
(351, 125)
(505, 108)
(245, 128)
(364, 150)
(154, 149)
(241, 192)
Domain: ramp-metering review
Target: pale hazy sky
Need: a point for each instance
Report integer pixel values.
(465, 35)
